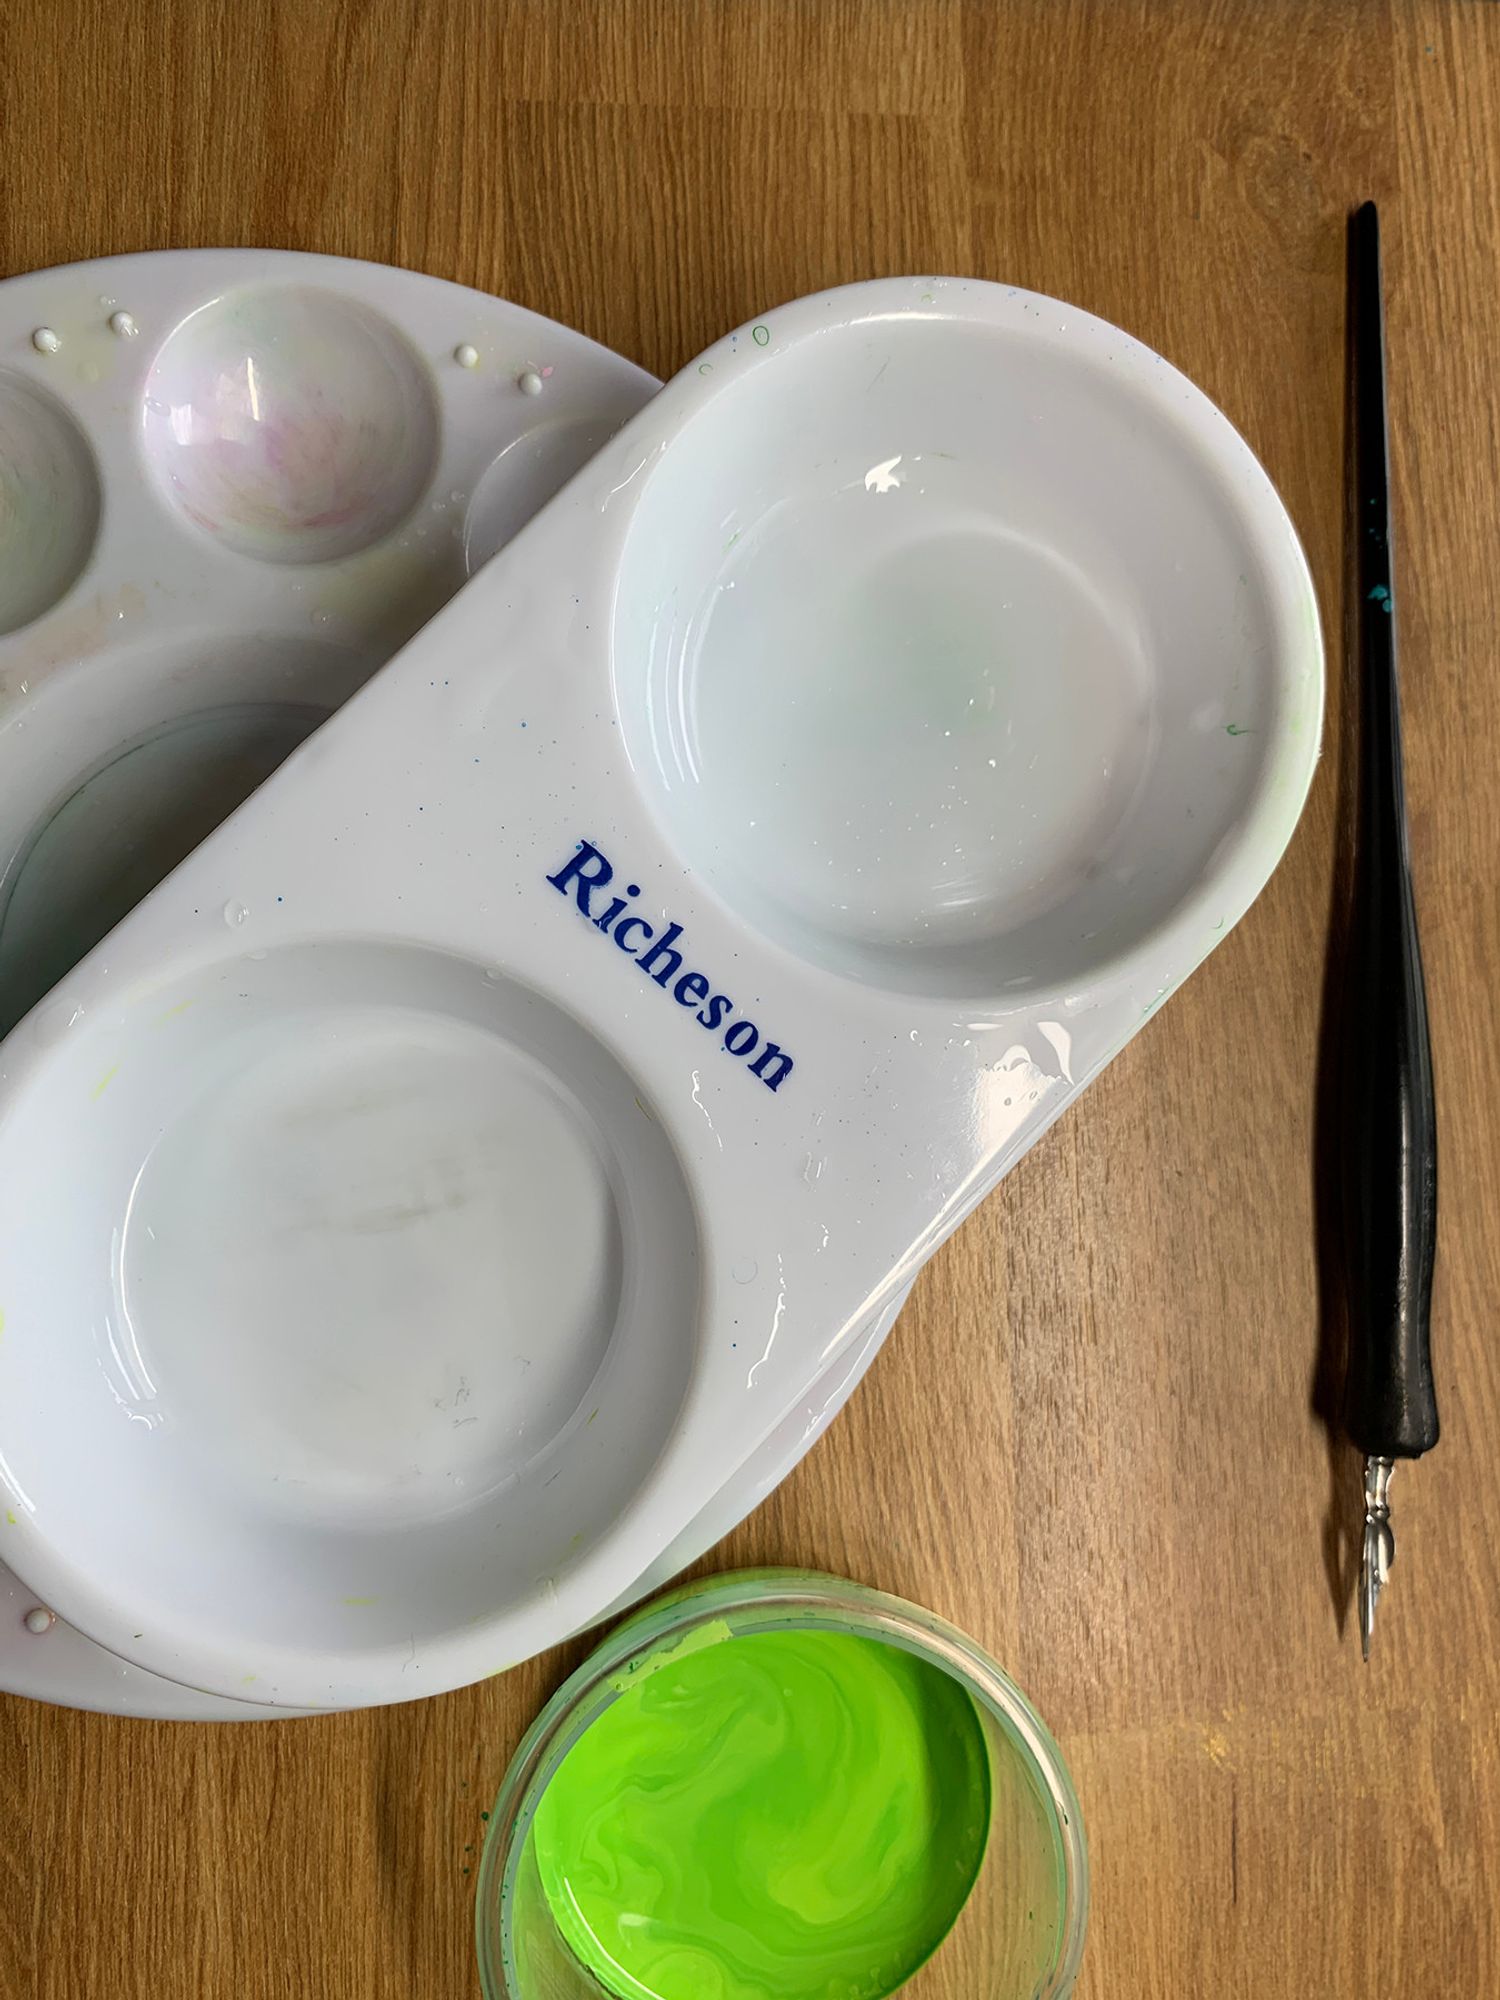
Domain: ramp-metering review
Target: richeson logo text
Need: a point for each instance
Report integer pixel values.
(587, 879)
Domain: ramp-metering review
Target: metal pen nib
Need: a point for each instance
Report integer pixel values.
(1380, 1545)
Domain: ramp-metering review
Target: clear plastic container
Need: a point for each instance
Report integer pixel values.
(1019, 1936)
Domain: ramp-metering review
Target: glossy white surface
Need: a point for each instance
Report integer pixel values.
(830, 1123)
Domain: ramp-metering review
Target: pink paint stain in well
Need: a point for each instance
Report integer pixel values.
(295, 425)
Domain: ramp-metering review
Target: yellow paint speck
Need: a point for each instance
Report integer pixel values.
(250, 1677)
(172, 1012)
(361, 1600)
(2, 1322)
(11, 1519)
(104, 1082)
(592, 1414)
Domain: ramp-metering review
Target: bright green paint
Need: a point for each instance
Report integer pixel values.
(784, 1816)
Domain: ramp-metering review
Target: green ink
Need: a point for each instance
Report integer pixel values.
(705, 368)
(794, 1813)
(1381, 596)
(761, 335)
(1237, 729)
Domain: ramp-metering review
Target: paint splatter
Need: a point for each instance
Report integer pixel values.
(1237, 729)
(104, 1082)
(1381, 596)
(761, 335)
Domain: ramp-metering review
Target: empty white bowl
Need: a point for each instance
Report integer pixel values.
(955, 652)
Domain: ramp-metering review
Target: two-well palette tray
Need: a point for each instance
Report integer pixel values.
(566, 1057)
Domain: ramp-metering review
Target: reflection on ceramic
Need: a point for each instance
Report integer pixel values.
(294, 424)
(49, 502)
(792, 1103)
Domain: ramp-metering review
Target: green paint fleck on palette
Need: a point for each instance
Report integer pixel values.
(796, 1813)
(761, 335)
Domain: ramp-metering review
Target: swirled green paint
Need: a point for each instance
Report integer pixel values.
(791, 1815)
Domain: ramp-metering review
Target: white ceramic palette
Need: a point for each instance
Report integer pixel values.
(417, 1210)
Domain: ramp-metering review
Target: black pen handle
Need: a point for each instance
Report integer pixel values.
(1389, 1122)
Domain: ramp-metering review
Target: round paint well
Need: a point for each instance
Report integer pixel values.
(126, 764)
(49, 502)
(386, 1310)
(524, 477)
(915, 629)
(126, 826)
(291, 424)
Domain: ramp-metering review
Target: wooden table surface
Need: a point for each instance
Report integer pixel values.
(1091, 1440)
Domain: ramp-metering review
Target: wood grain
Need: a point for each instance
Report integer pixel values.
(1091, 1441)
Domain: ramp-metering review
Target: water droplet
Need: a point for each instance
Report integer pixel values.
(235, 914)
(745, 1272)
(466, 355)
(45, 341)
(529, 382)
(122, 325)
